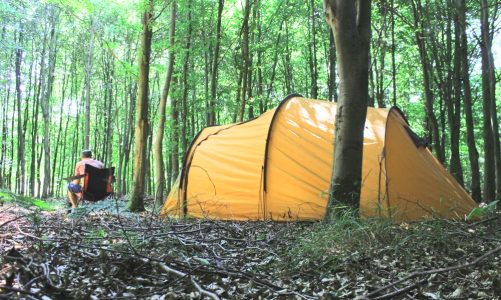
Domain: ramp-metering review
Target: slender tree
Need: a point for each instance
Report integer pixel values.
(157, 146)
(186, 70)
(136, 202)
(245, 60)
(215, 66)
(427, 79)
(332, 68)
(88, 75)
(51, 63)
(488, 84)
(468, 103)
(20, 132)
(313, 51)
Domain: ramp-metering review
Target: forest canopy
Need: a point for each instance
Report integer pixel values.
(69, 79)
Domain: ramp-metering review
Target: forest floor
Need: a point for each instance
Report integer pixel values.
(102, 252)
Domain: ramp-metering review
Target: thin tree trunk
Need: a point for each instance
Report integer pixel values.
(46, 108)
(215, 66)
(455, 162)
(88, 75)
(136, 202)
(273, 72)
(425, 67)
(487, 97)
(313, 52)
(332, 68)
(158, 144)
(470, 128)
(20, 134)
(494, 111)
(59, 131)
(393, 50)
(245, 59)
(175, 132)
(186, 70)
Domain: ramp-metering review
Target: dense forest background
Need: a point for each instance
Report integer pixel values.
(69, 79)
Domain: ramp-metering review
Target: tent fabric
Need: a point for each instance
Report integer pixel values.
(278, 167)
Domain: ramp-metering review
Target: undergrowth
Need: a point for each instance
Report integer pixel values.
(28, 202)
(352, 241)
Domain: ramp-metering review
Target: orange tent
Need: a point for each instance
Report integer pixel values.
(278, 167)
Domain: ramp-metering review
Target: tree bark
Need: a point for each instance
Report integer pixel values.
(393, 52)
(470, 128)
(51, 63)
(136, 202)
(215, 65)
(332, 68)
(313, 52)
(88, 75)
(455, 162)
(351, 25)
(186, 70)
(175, 132)
(488, 97)
(20, 133)
(425, 67)
(494, 111)
(157, 150)
(245, 59)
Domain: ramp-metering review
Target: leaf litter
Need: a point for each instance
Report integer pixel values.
(106, 253)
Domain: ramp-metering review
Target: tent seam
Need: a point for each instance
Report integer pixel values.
(266, 148)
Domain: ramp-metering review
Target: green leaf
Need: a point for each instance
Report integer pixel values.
(479, 212)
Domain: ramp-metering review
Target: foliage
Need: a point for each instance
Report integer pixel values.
(326, 246)
(482, 210)
(27, 202)
(281, 50)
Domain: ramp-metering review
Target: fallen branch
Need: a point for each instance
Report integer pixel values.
(12, 220)
(482, 221)
(182, 274)
(433, 271)
(400, 291)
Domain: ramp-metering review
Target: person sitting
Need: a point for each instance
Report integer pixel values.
(74, 187)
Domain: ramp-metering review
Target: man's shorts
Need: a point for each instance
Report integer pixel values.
(74, 188)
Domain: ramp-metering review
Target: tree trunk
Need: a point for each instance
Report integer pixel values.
(20, 133)
(453, 96)
(288, 69)
(313, 52)
(470, 128)
(186, 70)
(487, 97)
(175, 132)
(46, 108)
(425, 67)
(245, 59)
(492, 87)
(351, 26)
(269, 87)
(34, 128)
(215, 65)
(136, 202)
(88, 75)
(393, 63)
(157, 150)
(332, 68)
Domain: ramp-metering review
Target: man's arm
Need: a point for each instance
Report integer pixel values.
(79, 173)
(72, 178)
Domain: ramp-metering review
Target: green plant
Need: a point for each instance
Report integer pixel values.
(482, 210)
